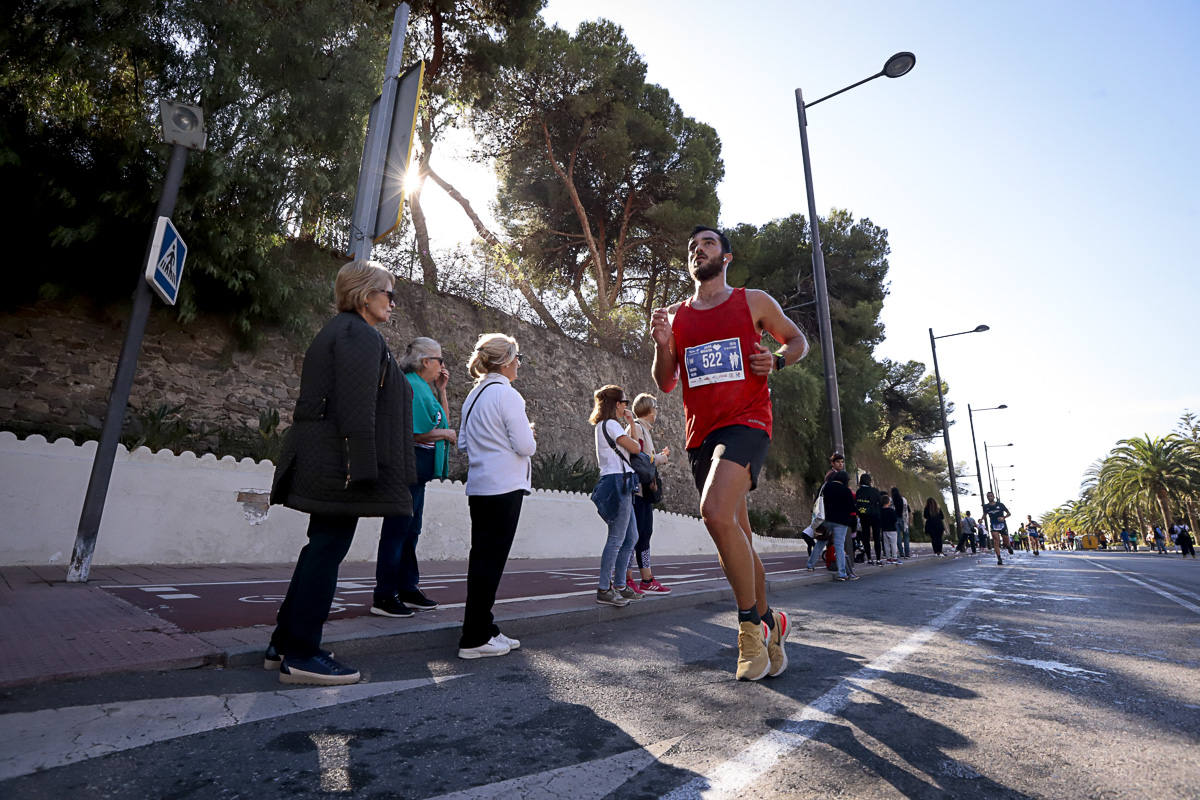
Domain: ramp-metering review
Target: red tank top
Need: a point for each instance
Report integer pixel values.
(718, 389)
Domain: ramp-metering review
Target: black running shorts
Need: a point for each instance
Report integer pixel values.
(740, 444)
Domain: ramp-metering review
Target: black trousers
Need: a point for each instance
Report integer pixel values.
(314, 583)
(494, 520)
(872, 534)
(963, 539)
(935, 536)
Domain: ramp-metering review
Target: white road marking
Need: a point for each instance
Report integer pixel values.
(1189, 606)
(731, 778)
(333, 756)
(180, 596)
(590, 780)
(53, 737)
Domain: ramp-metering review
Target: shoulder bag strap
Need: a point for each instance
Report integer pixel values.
(470, 408)
(603, 424)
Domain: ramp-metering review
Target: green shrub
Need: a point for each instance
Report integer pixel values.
(763, 521)
(553, 471)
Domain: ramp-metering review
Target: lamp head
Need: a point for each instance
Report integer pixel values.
(182, 124)
(1002, 405)
(899, 64)
(981, 329)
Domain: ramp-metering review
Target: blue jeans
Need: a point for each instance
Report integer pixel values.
(837, 535)
(622, 536)
(818, 551)
(396, 562)
(903, 539)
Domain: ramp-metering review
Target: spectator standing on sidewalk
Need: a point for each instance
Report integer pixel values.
(868, 505)
(1187, 546)
(645, 413)
(903, 523)
(887, 525)
(1160, 540)
(498, 439)
(397, 576)
(348, 454)
(839, 521)
(935, 525)
(967, 529)
(714, 341)
(613, 494)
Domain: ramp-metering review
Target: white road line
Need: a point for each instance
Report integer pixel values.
(731, 778)
(53, 737)
(1195, 609)
(1172, 587)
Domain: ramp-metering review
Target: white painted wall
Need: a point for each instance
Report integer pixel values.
(168, 509)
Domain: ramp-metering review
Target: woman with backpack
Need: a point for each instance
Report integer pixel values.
(613, 494)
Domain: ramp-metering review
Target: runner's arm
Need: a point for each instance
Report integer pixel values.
(769, 317)
(666, 361)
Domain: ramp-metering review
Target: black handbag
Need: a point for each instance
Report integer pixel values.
(642, 466)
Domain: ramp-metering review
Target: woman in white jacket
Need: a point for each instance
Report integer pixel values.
(498, 439)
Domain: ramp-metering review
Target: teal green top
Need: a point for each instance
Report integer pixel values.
(427, 415)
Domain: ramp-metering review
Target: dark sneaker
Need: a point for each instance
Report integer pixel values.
(320, 670)
(610, 597)
(391, 607)
(999, 561)
(271, 658)
(417, 601)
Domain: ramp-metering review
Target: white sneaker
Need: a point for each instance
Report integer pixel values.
(493, 647)
(513, 644)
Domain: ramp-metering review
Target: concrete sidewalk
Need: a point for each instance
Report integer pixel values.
(52, 630)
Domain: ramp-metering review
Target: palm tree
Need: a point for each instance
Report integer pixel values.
(1150, 472)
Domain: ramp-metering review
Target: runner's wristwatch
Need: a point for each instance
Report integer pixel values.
(780, 361)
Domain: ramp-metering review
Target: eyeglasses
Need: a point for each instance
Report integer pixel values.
(623, 400)
(438, 359)
(391, 296)
(520, 358)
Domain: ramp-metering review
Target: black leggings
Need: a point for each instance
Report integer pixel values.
(643, 514)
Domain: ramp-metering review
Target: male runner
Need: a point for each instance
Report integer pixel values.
(996, 513)
(1034, 531)
(714, 340)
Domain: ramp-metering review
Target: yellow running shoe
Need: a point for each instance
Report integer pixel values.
(753, 662)
(775, 650)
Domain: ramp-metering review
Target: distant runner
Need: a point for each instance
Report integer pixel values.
(996, 513)
(714, 339)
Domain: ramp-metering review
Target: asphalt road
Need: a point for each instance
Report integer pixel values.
(1069, 675)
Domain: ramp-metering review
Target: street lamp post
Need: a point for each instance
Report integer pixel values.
(987, 462)
(937, 377)
(975, 448)
(894, 67)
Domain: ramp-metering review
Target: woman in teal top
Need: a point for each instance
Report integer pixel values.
(397, 593)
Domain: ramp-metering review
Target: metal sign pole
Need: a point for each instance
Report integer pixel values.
(118, 398)
(379, 127)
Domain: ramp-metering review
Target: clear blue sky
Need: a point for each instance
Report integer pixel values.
(1036, 172)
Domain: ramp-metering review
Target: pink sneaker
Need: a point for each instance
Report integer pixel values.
(652, 586)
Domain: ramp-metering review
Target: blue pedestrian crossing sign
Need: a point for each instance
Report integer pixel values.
(164, 268)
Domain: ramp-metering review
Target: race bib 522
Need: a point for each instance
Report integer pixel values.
(714, 362)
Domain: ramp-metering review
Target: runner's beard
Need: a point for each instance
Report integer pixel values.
(707, 270)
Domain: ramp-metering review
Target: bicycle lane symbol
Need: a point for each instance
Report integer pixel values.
(339, 603)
